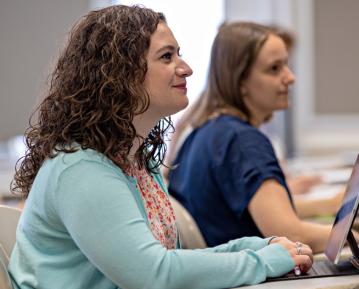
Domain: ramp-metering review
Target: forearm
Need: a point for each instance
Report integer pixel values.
(252, 243)
(322, 207)
(315, 235)
(274, 215)
(208, 270)
(309, 208)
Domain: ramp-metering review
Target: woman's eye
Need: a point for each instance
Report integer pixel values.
(275, 68)
(167, 56)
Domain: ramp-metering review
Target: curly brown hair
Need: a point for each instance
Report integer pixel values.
(95, 91)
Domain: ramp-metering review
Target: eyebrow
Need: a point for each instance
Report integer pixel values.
(167, 47)
(276, 60)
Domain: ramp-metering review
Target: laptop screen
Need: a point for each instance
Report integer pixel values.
(345, 217)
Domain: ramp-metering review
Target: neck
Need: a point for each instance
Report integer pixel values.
(143, 125)
(229, 110)
(258, 117)
(258, 121)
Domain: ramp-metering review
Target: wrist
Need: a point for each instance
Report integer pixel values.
(271, 239)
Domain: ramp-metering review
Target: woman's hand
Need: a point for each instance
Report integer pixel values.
(301, 254)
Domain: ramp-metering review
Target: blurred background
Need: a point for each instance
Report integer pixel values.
(322, 122)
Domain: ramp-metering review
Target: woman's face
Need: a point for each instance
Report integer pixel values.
(266, 88)
(165, 80)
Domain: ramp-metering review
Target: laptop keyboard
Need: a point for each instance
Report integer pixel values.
(321, 268)
(325, 268)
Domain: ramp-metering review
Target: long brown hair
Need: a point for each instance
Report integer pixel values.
(95, 91)
(233, 54)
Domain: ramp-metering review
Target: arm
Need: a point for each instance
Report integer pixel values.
(273, 214)
(101, 215)
(252, 243)
(321, 207)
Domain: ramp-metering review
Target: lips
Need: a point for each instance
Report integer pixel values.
(181, 85)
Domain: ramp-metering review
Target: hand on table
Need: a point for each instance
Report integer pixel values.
(301, 254)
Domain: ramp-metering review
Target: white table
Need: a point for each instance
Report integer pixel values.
(338, 282)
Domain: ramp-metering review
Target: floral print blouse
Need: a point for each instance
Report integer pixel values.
(158, 208)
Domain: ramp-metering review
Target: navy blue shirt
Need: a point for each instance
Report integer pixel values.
(218, 170)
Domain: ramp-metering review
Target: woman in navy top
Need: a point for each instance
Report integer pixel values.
(226, 172)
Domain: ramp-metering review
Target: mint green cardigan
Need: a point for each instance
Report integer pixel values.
(84, 226)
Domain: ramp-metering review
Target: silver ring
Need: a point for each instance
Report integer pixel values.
(298, 246)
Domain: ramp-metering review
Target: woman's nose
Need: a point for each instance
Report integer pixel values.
(183, 69)
(289, 77)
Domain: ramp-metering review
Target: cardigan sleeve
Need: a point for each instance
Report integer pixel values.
(252, 243)
(97, 207)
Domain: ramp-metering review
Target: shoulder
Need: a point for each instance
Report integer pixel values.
(232, 125)
(69, 179)
(85, 174)
(82, 164)
(84, 156)
(232, 130)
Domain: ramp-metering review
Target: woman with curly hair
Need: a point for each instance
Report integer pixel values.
(97, 213)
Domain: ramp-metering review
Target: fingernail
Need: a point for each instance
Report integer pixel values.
(297, 271)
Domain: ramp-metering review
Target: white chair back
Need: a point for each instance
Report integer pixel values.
(5, 282)
(190, 235)
(9, 218)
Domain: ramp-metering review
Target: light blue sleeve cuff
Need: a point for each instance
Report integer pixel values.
(277, 259)
(252, 243)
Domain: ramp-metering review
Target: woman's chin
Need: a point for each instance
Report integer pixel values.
(283, 105)
(182, 105)
(177, 108)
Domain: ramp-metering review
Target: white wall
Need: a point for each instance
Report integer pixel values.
(31, 33)
(320, 132)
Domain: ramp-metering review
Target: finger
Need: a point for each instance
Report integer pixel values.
(308, 251)
(305, 250)
(303, 261)
(305, 267)
(301, 251)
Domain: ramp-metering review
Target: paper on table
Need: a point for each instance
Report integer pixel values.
(335, 176)
(324, 191)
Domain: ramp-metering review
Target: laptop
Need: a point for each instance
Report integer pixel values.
(340, 234)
